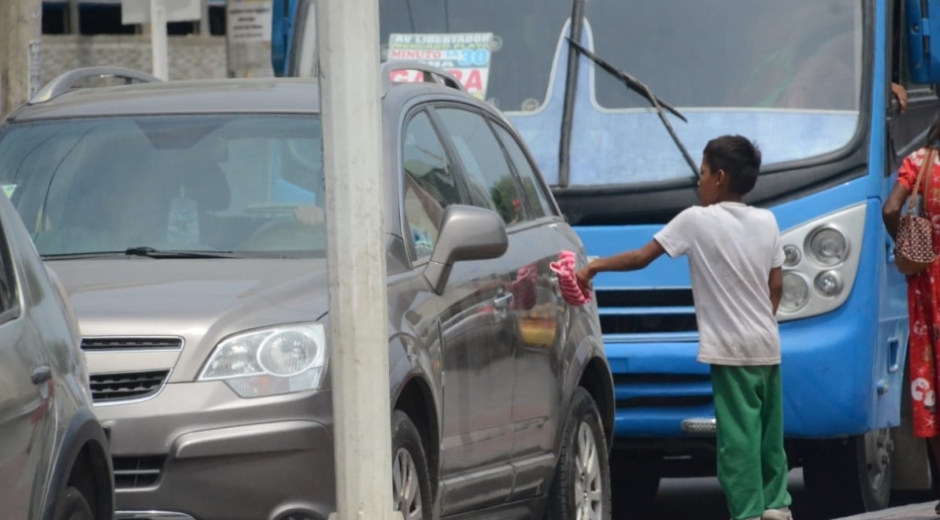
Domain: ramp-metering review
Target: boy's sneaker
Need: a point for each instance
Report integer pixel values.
(777, 514)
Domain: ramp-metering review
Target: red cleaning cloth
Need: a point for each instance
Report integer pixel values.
(570, 290)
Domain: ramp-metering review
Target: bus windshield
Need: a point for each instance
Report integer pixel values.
(525, 35)
(786, 74)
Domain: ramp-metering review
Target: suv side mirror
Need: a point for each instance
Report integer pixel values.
(923, 48)
(467, 233)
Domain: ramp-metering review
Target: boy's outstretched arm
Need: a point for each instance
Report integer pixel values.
(626, 261)
(776, 287)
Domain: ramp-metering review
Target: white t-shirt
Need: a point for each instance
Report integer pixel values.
(731, 248)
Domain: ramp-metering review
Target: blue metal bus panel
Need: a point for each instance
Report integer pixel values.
(828, 362)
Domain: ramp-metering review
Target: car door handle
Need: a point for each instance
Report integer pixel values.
(41, 374)
(502, 302)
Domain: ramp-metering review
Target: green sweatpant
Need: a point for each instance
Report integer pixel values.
(752, 465)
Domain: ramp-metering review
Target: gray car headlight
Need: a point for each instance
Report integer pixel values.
(276, 360)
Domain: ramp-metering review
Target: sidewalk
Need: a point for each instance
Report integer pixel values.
(910, 512)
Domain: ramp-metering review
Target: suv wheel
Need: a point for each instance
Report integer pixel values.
(581, 489)
(411, 484)
(73, 506)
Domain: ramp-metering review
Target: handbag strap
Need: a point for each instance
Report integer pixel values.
(927, 164)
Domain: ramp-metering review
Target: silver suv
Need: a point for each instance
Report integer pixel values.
(54, 462)
(186, 220)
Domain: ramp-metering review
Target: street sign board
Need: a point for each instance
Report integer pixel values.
(248, 35)
(138, 11)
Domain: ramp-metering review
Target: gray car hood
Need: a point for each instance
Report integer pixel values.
(201, 300)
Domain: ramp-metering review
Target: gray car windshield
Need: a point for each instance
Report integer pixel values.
(245, 184)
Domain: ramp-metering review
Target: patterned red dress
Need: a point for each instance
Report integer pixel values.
(923, 304)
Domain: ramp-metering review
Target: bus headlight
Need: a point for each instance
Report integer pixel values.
(829, 283)
(792, 256)
(828, 246)
(823, 280)
(276, 360)
(795, 292)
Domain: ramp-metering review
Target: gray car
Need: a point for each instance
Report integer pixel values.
(186, 221)
(54, 462)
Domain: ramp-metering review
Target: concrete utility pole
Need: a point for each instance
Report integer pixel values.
(20, 37)
(352, 151)
(204, 18)
(158, 39)
(75, 26)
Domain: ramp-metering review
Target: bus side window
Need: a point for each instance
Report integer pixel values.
(904, 130)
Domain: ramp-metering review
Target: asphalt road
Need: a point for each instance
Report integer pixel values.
(700, 499)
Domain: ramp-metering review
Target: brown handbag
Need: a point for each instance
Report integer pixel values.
(914, 250)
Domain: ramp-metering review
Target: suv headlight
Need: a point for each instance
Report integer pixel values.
(276, 360)
(821, 260)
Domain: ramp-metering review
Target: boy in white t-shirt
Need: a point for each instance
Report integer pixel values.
(735, 259)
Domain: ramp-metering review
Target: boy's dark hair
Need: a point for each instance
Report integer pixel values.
(738, 157)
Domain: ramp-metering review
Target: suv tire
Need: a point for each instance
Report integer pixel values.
(581, 488)
(411, 483)
(73, 506)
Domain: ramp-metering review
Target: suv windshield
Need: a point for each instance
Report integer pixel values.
(245, 184)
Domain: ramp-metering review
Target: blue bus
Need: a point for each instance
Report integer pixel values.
(616, 99)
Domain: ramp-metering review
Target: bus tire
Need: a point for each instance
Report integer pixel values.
(850, 476)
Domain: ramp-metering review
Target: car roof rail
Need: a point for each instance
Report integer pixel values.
(431, 74)
(66, 82)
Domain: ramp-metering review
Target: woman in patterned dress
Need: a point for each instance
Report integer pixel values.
(923, 290)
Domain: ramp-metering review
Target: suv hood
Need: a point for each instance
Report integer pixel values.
(199, 300)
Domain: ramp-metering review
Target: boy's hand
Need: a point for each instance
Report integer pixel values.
(584, 276)
(901, 95)
(626, 261)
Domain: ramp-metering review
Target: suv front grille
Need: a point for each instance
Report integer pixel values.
(110, 344)
(137, 472)
(107, 388)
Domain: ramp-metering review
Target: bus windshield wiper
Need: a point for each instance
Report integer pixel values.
(642, 89)
(81, 256)
(157, 253)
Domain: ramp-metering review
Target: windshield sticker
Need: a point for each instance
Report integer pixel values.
(9, 189)
(465, 56)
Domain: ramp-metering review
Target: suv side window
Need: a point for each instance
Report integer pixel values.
(490, 179)
(9, 300)
(539, 202)
(429, 183)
